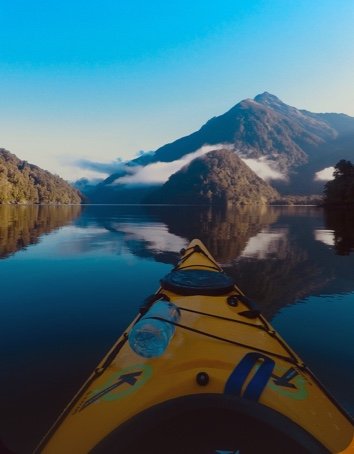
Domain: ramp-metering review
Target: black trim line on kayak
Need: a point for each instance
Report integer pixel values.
(113, 353)
(330, 396)
(195, 249)
(199, 266)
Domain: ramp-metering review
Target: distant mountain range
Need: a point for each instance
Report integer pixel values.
(283, 145)
(21, 182)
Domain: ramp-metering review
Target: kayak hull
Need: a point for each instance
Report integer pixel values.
(224, 367)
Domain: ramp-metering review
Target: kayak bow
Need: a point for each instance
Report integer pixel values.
(225, 383)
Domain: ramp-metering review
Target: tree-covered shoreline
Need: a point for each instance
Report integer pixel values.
(22, 183)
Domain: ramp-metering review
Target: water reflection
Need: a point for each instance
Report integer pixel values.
(292, 259)
(225, 232)
(276, 254)
(341, 222)
(265, 244)
(21, 226)
(160, 232)
(128, 229)
(111, 257)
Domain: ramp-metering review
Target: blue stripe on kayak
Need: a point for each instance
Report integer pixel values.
(259, 381)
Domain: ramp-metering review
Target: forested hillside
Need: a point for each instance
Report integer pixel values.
(219, 177)
(21, 182)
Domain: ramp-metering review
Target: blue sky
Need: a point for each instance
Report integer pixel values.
(104, 79)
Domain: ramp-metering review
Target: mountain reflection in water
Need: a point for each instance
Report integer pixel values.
(276, 254)
(89, 268)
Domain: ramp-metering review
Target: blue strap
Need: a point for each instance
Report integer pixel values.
(242, 370)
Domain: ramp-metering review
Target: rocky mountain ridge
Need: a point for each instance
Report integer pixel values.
(293, 143)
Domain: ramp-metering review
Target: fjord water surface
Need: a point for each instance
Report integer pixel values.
(72, 278)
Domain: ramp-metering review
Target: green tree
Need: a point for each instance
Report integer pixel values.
(340, 190)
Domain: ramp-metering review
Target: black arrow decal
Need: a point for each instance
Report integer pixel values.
(130, 379)
(285, 378)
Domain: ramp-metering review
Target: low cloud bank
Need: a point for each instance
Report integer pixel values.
(264, 168)
(159, 172)
(325, 174)
(106, 168)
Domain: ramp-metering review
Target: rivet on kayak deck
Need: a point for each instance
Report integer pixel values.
(232, 300)
(202, 378)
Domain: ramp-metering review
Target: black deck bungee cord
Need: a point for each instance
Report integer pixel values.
(239, 344)
(265, 326)
(262, 327)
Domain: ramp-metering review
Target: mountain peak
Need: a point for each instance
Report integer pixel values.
(267, 99)
(293, 142)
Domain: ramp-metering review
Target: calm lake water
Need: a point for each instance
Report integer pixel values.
(72, 279)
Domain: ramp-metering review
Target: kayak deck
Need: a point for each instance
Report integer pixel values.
(222, 349)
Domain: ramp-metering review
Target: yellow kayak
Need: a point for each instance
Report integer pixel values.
(200, 371)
